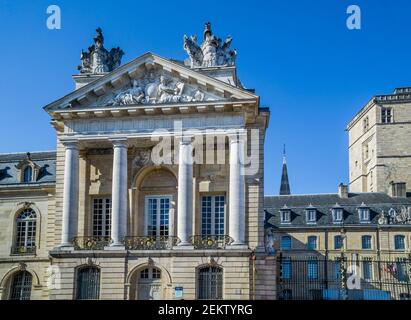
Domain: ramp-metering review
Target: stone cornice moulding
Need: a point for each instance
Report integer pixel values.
(248, 106)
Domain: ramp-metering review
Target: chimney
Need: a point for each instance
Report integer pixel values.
(343, 191)
(397, 189)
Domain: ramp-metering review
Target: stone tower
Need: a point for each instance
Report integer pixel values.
(379, 144)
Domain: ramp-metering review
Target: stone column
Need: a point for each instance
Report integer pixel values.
(237, 191)
(70, 193)
(185, 192)
(119, 193)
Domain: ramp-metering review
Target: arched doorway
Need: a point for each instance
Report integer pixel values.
(148, 284)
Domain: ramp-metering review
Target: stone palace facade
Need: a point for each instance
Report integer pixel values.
(155, 190)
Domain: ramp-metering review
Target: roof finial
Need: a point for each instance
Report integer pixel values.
(284, 155)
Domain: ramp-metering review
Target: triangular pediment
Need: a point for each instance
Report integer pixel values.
(150, 80)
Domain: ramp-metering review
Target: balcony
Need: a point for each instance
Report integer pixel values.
(22, 250)
(211, 241)
(91, 243)
(151, 242)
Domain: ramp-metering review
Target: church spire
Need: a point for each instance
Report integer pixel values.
(285, 185)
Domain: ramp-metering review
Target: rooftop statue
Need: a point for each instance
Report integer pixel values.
(97, 59)
(212, 52)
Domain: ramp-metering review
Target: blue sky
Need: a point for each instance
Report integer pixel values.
(311, 71)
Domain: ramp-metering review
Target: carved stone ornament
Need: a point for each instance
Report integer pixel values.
(154, 88)
(97, 59)
(22, 266)
(142, 158)
(212, 52)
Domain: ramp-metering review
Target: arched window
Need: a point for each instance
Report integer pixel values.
(28, 174)
(20, 288)
(210, 283)
(88, 283)
(25, 232)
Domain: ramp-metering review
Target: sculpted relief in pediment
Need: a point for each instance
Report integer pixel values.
(155, 88)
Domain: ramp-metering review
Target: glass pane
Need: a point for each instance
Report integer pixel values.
(206, 216)
(219, 215)
(152, 217)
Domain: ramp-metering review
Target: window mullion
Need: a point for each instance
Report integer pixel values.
(213, 215)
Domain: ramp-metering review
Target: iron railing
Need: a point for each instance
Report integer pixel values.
(91, 243)
(318, 278)
(22, 250)
(210, 241)
(151, 242)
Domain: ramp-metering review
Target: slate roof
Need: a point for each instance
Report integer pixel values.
(323, 203)
(9, 176)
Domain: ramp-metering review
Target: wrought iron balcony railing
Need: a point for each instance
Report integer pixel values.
(151, 242)
(22, 250)
(91, 243)
(211, 241)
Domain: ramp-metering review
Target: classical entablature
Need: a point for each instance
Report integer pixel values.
(151, 85)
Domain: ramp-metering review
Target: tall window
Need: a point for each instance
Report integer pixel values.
(312, 243)
(399, 242)
(21, 286)
(158, 215)
(88, 283)
(102, 217)
(212, 215)
(312, 271)
(210, 283)
(25, 231)
(28, 174)
(366, 242)
(286, 242)
(286, 269)
(386, 115)
(338, 242)
(367, 269)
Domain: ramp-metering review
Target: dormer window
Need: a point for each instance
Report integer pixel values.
(337, 214)
(28, 174)
(27, 170)
(285, 215)
(364, 213)
(311, 215)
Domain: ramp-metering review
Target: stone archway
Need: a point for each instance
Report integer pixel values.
(149, 282)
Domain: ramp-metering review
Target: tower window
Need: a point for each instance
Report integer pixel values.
(366, 124)
(386, 115)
